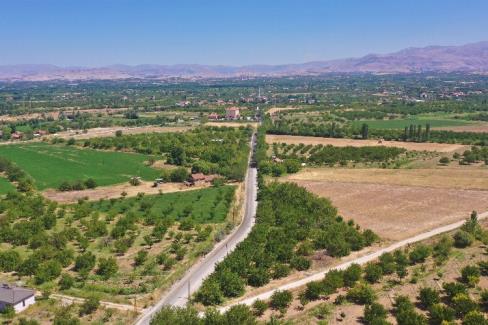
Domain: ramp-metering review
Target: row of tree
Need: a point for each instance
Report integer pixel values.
(291, 224)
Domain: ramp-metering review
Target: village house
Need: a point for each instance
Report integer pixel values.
(232, 113)
(199, 178)
(17, 297)
(40, 133)
(16, 135)
(213, 116)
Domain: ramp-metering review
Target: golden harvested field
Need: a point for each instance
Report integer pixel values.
(292, 139)
(479, 128)
(110, 131)
(465, 177)
(274, 110)
(397, 212)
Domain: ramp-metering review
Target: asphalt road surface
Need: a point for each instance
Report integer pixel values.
(184, 288)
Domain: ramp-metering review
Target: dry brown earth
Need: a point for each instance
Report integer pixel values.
(292, 139)
(114, 191)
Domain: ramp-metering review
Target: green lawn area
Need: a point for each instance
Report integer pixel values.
(209, 205)
(402, 123)
(49, 165)
(5, 186)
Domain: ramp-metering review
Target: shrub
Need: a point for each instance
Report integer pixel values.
(66, 282)
(209, 293)
(440, 313)
(300, 263)
(374, 314)
(428, 297)
(452, 289)
(361, 294)
(470, 275)
(280, 300)
(352, 275)
(373, 272)
(463, 239)
(444, 160)
(463, 304)
(140, 258)
(474, 318)
(89, 306)
(107, 267)
(419, 254)
(259, 307)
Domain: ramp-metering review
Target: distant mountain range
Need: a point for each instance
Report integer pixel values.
(470, 58)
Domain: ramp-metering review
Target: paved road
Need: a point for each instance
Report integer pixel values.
(178, 294)
(360, 260)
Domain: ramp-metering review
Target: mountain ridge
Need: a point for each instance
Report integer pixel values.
(469, 58)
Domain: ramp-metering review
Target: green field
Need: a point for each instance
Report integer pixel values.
(5, 186)
(49, 165)
(402, 123)
(208, 205)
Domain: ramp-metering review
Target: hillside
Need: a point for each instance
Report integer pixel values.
(472, 58)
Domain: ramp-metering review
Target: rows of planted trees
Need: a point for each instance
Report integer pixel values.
(291, 225)
(414, 133)
(208, 150)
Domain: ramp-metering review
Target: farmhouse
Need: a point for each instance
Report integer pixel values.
(19, 298)
(232, 113)
(199, 178)
(213, 116)
(17, 135)
(39, 133)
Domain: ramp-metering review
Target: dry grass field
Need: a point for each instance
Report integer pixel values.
(397, 212)
(110, 131)
(467, 177)
(291, 139)
(479, 128)
(274, 110)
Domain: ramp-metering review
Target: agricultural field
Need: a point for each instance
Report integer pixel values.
(413, 146)
(443, 278)
(50, 165)
(402, 123)
(117, 250)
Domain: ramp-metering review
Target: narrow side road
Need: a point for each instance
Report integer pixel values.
(184, 288)
(360, 260)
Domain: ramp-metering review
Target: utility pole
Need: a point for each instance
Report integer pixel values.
(188, 290)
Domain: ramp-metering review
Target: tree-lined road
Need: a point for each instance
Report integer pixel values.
(181, 290)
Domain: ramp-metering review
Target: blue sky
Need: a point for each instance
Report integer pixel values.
(231, 32)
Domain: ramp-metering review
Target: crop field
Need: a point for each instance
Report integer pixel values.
(396, 212)
(203, 206)
(465, 178)
(5, 186)
(49, 165)
(425, 146)
(405, 122)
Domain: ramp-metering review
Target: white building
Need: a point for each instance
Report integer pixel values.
(19, 298)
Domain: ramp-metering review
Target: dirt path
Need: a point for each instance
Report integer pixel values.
(425, 146)
(68, 300)
(114, 191)
(274, 110)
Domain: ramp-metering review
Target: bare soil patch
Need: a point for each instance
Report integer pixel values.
(232, 124)
(454, 178)
(274, 110)
(292, 139)
(110, 131)
(478, 128)
(114, 191)
(397, 212)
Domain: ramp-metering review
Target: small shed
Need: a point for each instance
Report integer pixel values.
(18, 297)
